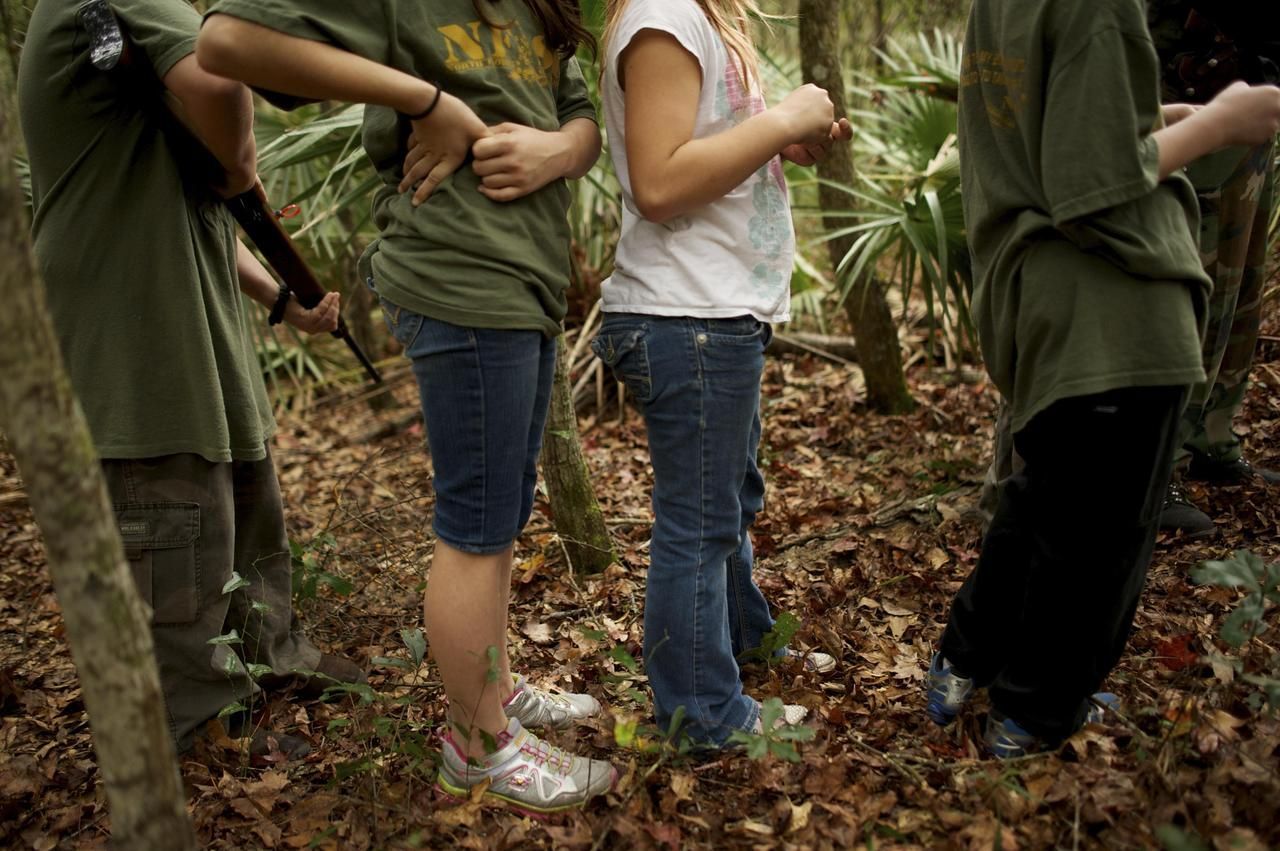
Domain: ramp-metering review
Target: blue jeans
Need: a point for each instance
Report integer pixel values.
(698, 383)
(485, 395)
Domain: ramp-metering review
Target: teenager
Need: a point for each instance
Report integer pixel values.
(703, 270)
(1202, 48)
(151, 325)
(471, 267)
(1089, 300)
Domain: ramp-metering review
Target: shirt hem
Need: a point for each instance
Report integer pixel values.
(699, 312)
(470, 319)
(1103, 199)
(1101, 384)
(131, 452)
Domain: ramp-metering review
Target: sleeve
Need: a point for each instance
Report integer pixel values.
(572, 99)
(1102, 106)
(165, 30)
(356, 27)
(681, 19)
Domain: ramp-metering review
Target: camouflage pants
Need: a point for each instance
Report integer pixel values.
(188, 524)
(1235, 215)
(1236, 204)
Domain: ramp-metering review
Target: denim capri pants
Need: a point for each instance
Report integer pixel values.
(485, 394)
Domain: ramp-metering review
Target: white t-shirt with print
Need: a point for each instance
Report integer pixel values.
(730, 258)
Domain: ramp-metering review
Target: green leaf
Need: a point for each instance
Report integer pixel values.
(1174, 838)
(416, 641)
(258, 671)
(620, 655)
(495, 669)
(231, 637)
(260, 607)
(235, 583)
(232, 709)
(391, 662)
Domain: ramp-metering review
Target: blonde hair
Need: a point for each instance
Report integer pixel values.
(730, 18)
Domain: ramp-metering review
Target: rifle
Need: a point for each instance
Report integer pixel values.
(110, 51)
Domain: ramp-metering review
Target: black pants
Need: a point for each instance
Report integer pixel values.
(1045, 615)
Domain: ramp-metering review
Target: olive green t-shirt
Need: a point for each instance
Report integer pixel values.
(1087, 273)
(460, 257)
(138, 260)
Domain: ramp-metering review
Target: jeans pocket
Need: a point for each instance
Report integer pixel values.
(739, 332)
(160, 543)
(403, 324)
(624, 351)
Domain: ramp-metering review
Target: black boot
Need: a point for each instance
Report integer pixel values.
(1179, 515)
(1205, 468)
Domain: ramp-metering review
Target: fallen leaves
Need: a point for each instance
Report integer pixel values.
(863, 538)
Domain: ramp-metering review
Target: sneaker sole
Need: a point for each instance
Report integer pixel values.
(456, 795)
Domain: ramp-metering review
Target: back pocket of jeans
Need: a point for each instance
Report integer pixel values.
(627, 356)
(160, 542)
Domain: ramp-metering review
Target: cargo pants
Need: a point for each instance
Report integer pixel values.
(190, 527)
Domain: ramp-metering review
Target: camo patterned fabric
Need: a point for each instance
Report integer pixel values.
(1233, 242)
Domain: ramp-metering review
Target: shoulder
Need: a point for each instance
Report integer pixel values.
(683, 19)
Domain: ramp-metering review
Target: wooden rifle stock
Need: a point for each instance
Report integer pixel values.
(110, 51)
(262, 225)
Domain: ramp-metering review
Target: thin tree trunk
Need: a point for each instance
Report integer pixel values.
(873, 327)
(105, 618)
(578, 519)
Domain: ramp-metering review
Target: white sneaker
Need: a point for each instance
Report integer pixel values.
(536, 709)
(814, 660)
(531, 775)
(792, 715)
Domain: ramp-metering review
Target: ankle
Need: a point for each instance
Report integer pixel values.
(473, 741)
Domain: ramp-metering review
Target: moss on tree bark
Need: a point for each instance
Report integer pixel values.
(578, 519)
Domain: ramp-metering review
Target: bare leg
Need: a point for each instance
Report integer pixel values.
(505, 682)
(464, 610)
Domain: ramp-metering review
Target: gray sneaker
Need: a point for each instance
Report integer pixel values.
(525, 772)
(542, 710)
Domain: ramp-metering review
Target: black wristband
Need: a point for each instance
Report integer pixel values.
(435, 101)
(282, 302)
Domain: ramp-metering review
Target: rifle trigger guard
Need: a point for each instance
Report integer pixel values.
(292, 211)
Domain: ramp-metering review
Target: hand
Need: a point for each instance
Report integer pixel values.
(1245, 114)
(809, 114)
(812, 154)
(515, 161)
(1175, 112)
(321, 319)
(439, 146)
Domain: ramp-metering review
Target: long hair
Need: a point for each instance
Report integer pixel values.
(730, 18)
(561, 24)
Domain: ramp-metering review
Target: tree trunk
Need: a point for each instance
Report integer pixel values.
(105, 618)
(578, 519)
(873, 326)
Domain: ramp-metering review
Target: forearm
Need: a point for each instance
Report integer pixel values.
(1187, 141)
(267, 59)
(255, 281)
(582, 147)
(702, 171)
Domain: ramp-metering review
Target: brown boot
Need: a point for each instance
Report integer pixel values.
(330, 670)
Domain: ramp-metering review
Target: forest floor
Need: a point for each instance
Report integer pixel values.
(868, 531)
